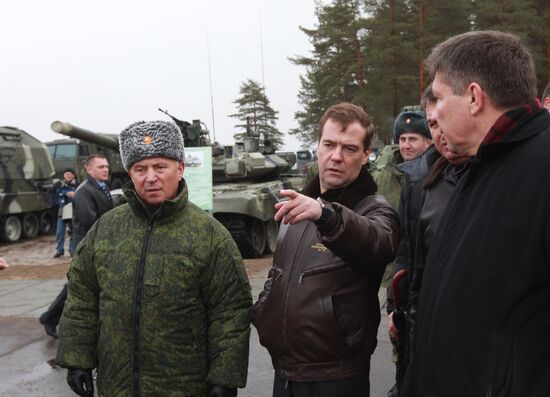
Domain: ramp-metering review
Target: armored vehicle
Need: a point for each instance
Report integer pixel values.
(72, 153)
(26, 171)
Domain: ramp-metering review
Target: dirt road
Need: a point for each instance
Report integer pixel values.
(33, 260)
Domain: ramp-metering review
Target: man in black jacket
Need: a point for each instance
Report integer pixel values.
(91, 200)
(484, 319)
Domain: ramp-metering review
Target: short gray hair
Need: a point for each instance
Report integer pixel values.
(497, 61)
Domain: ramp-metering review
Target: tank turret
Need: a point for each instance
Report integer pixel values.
(26, 172)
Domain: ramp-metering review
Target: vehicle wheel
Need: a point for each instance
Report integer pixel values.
(46, 222)
(257, 236)
(272, 231)
(30, 225)
(11, 228)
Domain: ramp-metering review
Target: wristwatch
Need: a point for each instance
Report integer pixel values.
(326, 212)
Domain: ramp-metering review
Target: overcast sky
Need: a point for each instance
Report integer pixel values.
(102, 65)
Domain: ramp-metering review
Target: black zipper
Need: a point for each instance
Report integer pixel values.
(137, 308)
(320, 270)
(291, 270)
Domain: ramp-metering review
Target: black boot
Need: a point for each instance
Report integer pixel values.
(51, 329)
(50, 318)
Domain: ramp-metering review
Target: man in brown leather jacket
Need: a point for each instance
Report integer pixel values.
(319, 312)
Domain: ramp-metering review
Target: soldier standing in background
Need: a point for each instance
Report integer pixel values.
(91, 200)
(64, 191)
(412, 133)
(159, 299)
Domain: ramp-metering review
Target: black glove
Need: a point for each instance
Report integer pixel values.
(81, 381)
(220, 391)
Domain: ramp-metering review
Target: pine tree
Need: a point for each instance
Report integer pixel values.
(255, 113)
(526, 18)
(393, 62)
(335, 71)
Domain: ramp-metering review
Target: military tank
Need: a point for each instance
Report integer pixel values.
(26, 172)
(246, 181)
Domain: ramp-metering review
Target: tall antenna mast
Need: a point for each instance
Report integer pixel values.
(262, 51)
(263, 75)
(210, 79)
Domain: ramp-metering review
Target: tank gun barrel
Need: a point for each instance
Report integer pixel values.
(72, 131)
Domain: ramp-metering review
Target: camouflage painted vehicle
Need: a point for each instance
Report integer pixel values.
(72, 153)
(246, 181)
(244, 196)
(26, 172)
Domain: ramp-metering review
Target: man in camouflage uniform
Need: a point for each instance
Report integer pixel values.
(388, 177)
(158, 297)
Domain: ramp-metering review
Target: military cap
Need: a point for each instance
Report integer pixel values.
(146, 139)
(413, 122)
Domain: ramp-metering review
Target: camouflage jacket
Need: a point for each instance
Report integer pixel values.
(158, 302)
(389, 178)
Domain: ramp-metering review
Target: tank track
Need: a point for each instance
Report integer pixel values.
(236, 224)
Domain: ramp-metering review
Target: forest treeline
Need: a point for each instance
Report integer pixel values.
(371, 52)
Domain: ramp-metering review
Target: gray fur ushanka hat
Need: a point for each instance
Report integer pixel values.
(146, 139)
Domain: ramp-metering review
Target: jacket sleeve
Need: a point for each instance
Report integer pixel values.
(368, 240)
(79, 322)
(228, 300)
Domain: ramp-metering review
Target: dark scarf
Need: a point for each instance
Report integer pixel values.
(350, 195)
(510, 121)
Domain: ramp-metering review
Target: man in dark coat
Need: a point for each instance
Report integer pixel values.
(319, 312)
(412, 132)
(91, 200)
(484, 319)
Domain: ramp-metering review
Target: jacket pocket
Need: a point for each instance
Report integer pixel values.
(337, 341)
(321, 270)
(350, 308)
(501, 367)
(153, 278)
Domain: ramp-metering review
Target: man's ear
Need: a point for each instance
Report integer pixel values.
(546, 103)
(181, 169)
(366, 157)
(476, 98)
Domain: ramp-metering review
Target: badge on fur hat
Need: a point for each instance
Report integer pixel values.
(148, 139)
